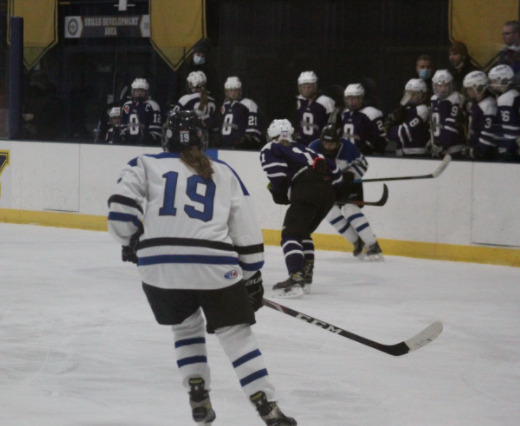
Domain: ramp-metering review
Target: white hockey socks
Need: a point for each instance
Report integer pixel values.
(190, 349)
(241, 347)
(359, 223)
(340, 224)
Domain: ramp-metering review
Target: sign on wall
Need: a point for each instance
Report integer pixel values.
(129, 26)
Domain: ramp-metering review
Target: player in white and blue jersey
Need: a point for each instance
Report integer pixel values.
(189, 224)
(348, 219)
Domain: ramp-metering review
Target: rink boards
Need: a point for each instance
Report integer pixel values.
(469, 213)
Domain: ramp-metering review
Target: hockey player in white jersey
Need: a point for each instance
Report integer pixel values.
(348, 219)
(141, 117)
(503, 83)
(189, 224)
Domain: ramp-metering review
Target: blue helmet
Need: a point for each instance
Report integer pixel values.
(184, 129)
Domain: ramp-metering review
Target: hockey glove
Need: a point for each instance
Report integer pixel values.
(255, 289)
(278, 197)
(129, 252)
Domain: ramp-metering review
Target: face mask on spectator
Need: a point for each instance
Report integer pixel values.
(425, 73)
(198, 60)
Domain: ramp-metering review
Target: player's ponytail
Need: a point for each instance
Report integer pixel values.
(194, 158)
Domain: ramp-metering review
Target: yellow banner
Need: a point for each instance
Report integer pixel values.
(40, 27)
(478, 24)
(176, 26)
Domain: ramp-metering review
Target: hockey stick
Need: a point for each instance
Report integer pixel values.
(378, 203)
(445, 161)
(429, 334)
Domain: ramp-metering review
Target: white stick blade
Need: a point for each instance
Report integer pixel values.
(445, 161)
(429, 334)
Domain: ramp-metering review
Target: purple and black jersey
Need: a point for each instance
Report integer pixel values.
(282, 163)
(141, 123)
(238, 119)
(191, 102)
(365, 129)
(508, 124)
(313, 115)
(482, 117)
(448, 123)
(414, 133)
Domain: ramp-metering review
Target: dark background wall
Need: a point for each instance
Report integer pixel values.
(266, 42)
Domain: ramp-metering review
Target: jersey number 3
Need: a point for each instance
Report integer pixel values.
(193, 192)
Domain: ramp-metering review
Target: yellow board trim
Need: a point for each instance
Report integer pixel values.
(437, 251)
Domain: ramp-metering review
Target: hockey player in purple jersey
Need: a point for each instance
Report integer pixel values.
(239, 125)
(141, 117)
(199, 100)
(311, 180)
(482, 117)
(114, 133)
(410, 128)
(502, 83)
(313, 108)
(362, 124)
(348, 219)
(447, 119)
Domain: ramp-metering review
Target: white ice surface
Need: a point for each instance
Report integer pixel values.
(79, 344)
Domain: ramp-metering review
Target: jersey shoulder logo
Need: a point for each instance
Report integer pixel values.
(231, 275)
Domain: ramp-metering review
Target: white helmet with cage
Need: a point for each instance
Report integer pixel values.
(140, 84)
(280, 130)
(114, 112)
(415, 85)
(354, 90)
(196, 80)
(501, 78)
(232, 83)
(307, 77)
(442, 83)
(478, 81)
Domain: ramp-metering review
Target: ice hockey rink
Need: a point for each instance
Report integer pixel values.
(79, 345)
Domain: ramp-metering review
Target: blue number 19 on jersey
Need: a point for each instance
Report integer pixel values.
(193, 183)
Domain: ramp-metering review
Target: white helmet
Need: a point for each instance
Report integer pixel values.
(442, 77)
(475, 79)
(307, 77)
(501, 78)
(196, 80)
(114, 112)
(416, 85)
(140, 83)
(354, 90)
(232, 83)
(280, 129)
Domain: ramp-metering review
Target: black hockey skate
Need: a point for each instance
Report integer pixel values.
(374, 253)
(201, 409)
(291, 287)
(308, 272)
(269, 411)
(358, 252)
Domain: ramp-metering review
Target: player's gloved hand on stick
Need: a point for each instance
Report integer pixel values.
(278, 197)
(255, 289)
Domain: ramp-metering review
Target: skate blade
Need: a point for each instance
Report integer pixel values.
(376, 258)
(361, 256)
(290, 293)
(306, 289)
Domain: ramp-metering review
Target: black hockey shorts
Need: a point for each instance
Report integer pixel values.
(310, 203)
(222, 308)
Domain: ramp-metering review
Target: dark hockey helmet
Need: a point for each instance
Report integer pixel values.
(330, 134)
(184, 129)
